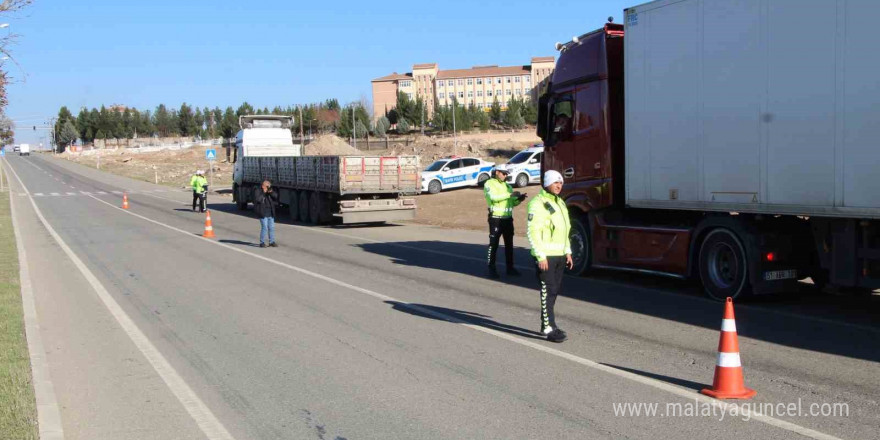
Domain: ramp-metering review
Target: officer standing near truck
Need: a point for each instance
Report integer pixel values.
(198, 182)
(501, 199)
(548, 230)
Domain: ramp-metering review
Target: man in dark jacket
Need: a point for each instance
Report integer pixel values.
(264, 205)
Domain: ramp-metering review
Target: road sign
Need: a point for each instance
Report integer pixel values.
(210, 154)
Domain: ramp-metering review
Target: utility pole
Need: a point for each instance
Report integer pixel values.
(302, 141)
(454, 137)
(353, 128)
(423, 118)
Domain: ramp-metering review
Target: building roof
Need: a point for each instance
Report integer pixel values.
(394, 77)
(543, 60)
(483, 71)
(425, 66)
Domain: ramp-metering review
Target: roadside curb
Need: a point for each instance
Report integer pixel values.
(48, 413)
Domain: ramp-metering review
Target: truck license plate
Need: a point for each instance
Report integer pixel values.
(780, 275)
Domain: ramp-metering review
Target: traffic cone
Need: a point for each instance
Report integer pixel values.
(209, 230)
(124, 200)
(728, 383)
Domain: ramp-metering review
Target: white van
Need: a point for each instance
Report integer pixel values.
(24, 150)
(525, 167)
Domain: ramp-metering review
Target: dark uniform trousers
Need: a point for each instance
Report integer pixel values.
(500, 227)
(551, 285)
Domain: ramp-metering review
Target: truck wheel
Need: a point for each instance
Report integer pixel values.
(481, 179)
(304, 206)
(294, 206)
(723, 266)
(434, 187)
(316, 208)
(522, 180)
(240, 200)
(581, 249)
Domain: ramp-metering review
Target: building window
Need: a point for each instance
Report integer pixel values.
(461, 82)
(406, 84)
(507, 79)
(516, 79)
(470, 93)
(479, 81)
(479, 93)
(409, 94)
(528, 79)
(442, 95)
(508, 92)
(450, 83)
(470, 81)
(461, 94)
(489, 93)
(498, 80)
(518, 92)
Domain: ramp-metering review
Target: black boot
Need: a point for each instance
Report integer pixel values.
(493, 273)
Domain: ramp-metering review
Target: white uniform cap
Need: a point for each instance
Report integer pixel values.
(551, 177)
(503, 168)
(200, 172)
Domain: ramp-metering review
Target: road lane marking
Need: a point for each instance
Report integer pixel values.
(48, 413)
(204, 418)
(654, 383)
(593, 280)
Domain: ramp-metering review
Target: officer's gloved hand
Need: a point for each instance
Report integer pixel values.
(522, 197)
(515, 195)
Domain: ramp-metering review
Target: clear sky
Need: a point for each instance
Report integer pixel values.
(221, 53)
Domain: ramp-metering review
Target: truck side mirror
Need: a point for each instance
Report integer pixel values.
(543, 116)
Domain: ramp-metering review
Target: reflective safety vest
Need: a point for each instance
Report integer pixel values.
(498, 197)
(549, 226)
(198, 183)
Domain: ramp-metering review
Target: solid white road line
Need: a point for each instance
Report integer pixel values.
(48, 414)
(654, 383)
(204, 418)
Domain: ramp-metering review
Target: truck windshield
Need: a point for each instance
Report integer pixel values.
(437, 166)
(520, 157)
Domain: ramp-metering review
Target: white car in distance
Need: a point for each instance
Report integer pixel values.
(455, 172)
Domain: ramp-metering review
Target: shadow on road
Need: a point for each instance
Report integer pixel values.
(459, 317)
(845, 326)
(283, 217)
(240, 243)
(696, 386)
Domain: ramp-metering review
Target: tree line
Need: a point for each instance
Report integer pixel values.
(353, 120)
(185, 121)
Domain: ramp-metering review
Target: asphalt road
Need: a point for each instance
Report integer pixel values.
(392, 332)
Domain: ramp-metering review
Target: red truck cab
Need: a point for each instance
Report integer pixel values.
(581, 120)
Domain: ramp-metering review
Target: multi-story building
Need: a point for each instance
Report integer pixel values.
(479, 85)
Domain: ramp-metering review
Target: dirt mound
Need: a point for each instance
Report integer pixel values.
(330, 145)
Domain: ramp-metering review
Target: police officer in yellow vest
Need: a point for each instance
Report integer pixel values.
(501, 199)
(548, 230)
(199, 186)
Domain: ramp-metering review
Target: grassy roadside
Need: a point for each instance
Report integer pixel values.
(18, 412)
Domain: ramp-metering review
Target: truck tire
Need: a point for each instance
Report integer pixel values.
(581, 247)
(294, 206)
(316, 208)
(724, 266)
(522, 180)
(240, 200)
(304, 206)
(434, 187)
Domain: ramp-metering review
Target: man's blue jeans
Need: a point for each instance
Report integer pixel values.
(267, 223)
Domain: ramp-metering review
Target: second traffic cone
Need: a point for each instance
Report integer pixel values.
(728, 383)
(209, 229)
(124, 200)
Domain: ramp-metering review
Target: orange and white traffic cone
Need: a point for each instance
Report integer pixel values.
(209, 229)
(124, 200)
(728, 383)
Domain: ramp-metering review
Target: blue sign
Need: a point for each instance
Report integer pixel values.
(2, 152)
(210, 154)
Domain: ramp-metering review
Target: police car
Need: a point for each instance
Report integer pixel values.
(455, 172)
(525, 167)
